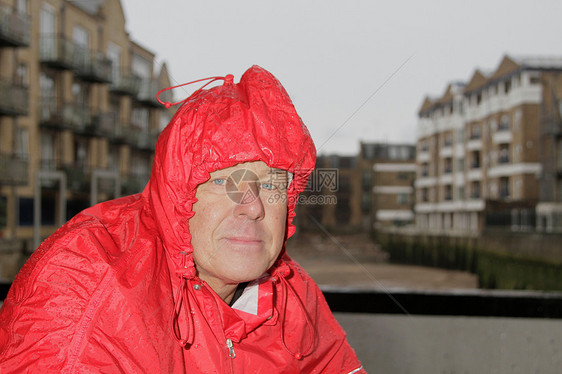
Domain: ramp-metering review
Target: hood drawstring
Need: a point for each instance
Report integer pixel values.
(280, 276)
(186, 272)
(228, 79)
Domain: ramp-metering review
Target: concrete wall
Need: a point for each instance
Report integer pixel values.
(401, 344)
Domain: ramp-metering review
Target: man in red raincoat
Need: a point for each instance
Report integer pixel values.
(191, 275)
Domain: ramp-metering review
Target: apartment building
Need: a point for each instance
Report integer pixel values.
(388, 172)
(78, 114)
(332, 197)
(479, 148)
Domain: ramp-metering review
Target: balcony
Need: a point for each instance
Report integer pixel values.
(78, 177)
(147, 93)
(475, 195)
(68, 116)
(146, 140)
(504, 193)
(13, 169)
(15, 29)
(93, 66)
(503, 159)
(14, 99)
(125, 84)
(105, 125)
(58, 53)
(134, 183)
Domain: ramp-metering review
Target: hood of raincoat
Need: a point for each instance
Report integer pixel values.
(253, 120)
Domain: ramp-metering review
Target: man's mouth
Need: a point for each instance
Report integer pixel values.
(244, 240)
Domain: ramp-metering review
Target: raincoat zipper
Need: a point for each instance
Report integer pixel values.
(231, 355)
(230, 347)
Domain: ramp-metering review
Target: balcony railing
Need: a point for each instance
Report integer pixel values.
(504, 192)
(58, 52)
(503, 160)
(78, 177)
(14, 99)
(134, 183)
(105, 125)
(126, 84)
(13, 169)
(68, 116)
(93, 66)
(15, 29)
(147, 93)
(475, 195)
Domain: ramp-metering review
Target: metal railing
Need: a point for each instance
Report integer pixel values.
(69, 116)
(126, 83)
(93, 66)
(15, 29)
(13, 169)
(148, 91)
(61, 53)
(58, 52)
(14, 99)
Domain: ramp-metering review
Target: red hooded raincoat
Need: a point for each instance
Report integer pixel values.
(116, 290)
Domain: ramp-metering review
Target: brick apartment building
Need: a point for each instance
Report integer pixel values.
(78, 115)
(388, 172)
(360, 193)
(489, 150)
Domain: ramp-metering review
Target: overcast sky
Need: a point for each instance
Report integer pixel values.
(355, 69)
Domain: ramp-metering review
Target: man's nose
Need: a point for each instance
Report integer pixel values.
(251, 204)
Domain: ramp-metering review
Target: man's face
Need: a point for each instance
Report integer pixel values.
(238, 228)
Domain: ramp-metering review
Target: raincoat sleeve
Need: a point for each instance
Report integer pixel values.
(46, 316)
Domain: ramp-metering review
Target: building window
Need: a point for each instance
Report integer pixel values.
(425, 195)
(460, 165)
(505, 123)
(81, 37)
(447, 166)
(475, 134)
(460, 193)
(22, 75)
(403, 176)
(23, 7)
(475, 160)
(81, 153)
(114, 55)
(460, 136)
(503, 155)
(140, 118)
(48, 26)
(3, 212)
(475, 190)
(424, 170)
(22, 143)
(507, 87)
(448, 192)
(366, 180)
(504, 187)
(403, 199)
(26, 211)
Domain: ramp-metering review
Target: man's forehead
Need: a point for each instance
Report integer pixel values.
(259, 168)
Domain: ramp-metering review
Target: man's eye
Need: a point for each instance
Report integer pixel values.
(219, 181)
(268, 186)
